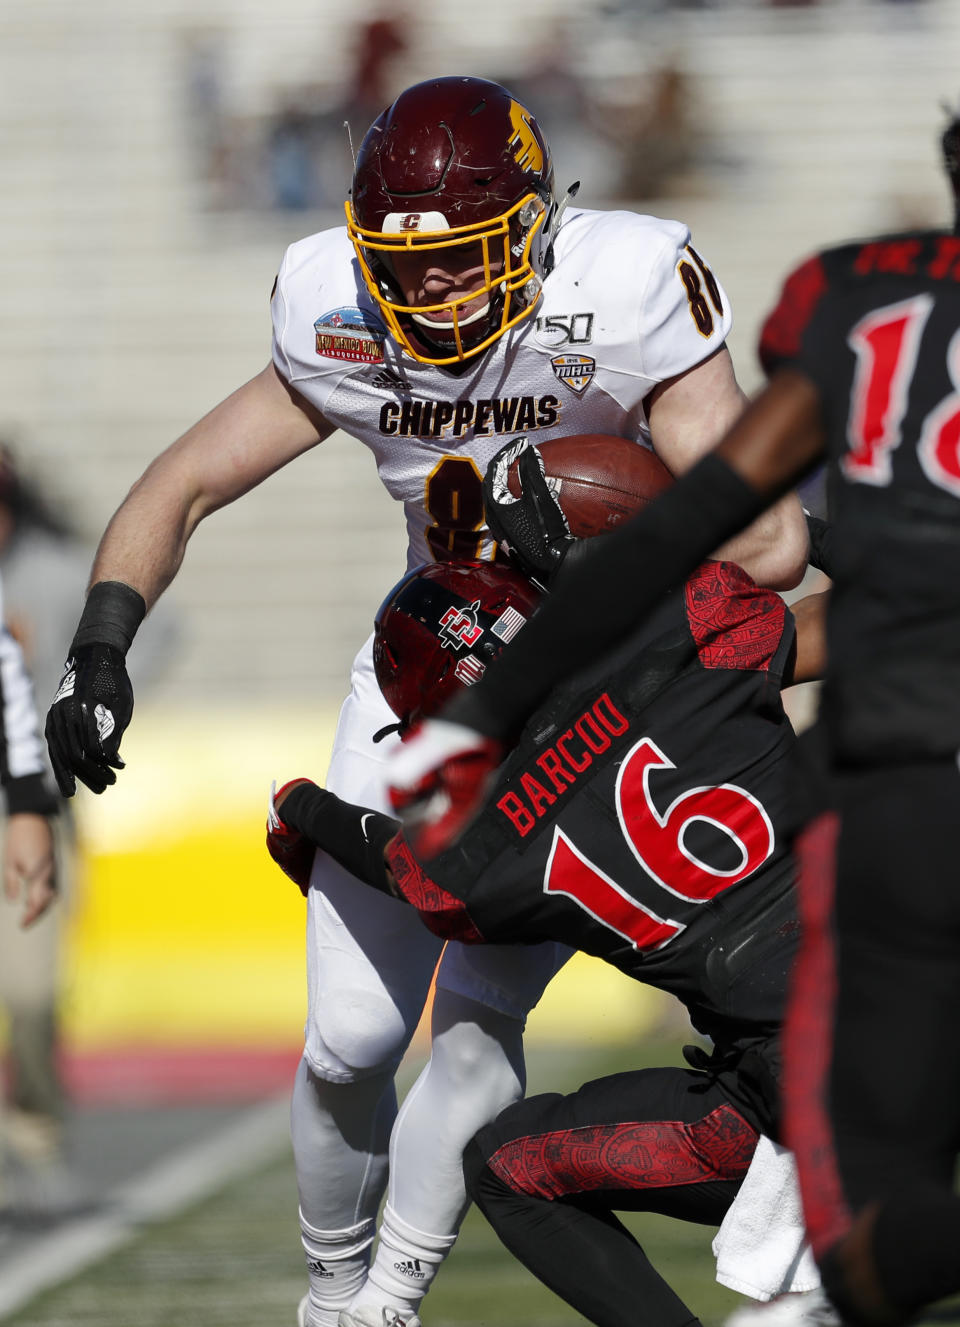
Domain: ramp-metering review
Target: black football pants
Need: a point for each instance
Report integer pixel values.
(872, 1077)
(549, 1172)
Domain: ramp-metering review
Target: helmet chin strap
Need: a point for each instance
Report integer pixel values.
(399, 727)
(552, 225)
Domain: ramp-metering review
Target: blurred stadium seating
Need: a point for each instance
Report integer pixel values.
(131, 306)
(135, 297)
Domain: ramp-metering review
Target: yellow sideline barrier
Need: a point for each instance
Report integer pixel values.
(184, 932)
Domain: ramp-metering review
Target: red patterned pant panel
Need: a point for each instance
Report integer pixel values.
(808, 1039)
(639, 1155)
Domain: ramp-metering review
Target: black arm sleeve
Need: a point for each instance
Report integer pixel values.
(607, 591)
(354, 836)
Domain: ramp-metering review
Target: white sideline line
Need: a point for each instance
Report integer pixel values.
(166, 1188)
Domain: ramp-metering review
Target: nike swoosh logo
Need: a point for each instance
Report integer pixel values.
(369, 815)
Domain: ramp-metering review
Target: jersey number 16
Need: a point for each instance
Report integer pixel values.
(657, 840)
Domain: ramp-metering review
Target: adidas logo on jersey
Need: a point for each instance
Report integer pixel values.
(409, 1267)
(390, 378)
(316, 1268)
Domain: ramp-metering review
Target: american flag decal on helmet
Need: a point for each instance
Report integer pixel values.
(508, 624)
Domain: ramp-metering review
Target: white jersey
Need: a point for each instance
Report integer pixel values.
(628, 304)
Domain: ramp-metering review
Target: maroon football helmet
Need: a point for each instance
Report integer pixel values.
(437, 630)
(456, 167)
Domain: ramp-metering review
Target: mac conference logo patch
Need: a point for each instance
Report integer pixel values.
(351, 334)
(574, 371)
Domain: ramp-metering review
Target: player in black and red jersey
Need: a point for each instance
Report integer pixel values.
(639, 818)
(864, 353)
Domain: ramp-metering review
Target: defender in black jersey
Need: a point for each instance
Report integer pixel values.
(864, 353)
(871, 332)
(639, 818)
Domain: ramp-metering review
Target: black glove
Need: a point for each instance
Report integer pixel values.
(94, 700)
(532, 528)
(821, 544)
(88, 717)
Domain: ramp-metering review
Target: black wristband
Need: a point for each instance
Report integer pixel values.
(28, 794)
(111, 616)
(354, 836)
(603, 594)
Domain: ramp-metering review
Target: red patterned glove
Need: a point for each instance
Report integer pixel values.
(292, 851)
(437, 780)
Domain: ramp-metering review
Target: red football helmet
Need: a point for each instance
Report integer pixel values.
(437, 630)
(456, 166)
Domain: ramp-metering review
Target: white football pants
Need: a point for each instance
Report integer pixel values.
(369, 964)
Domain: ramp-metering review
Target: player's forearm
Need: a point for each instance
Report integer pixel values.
(810, 615)
(369, 845)
(779, 437)
(774, 443)
(354, 836)
(30, 866)
(255, 431)
(689, 416)
(773, 550)
(144, 543)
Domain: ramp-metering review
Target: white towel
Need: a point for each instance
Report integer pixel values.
(761, 1247)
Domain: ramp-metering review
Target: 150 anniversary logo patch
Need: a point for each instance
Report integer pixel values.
(560, 329)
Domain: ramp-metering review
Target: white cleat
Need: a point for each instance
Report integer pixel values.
(366, 1316)
(302, 1311)
(809, 1309)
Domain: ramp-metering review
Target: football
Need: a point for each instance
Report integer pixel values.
(602, 480)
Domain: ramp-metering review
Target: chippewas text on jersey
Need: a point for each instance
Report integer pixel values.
(484, 418)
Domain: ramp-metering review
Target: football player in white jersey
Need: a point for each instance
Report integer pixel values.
(461, 305)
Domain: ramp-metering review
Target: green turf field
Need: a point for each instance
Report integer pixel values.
(235, 1260)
